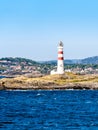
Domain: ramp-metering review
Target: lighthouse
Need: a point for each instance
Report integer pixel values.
(60, 62)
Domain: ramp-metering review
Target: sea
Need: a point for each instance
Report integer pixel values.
(49, 110)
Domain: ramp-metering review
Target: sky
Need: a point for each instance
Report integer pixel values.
(33, 28)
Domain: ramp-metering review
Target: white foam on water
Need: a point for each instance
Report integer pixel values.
(88, 102)
(38, 94)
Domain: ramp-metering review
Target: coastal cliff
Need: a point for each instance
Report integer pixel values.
(66, 81)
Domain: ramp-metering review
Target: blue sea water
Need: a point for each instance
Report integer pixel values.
(49, 110)
(2, 76)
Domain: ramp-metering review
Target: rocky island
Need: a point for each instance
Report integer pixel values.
(51, 82)
(25, 74)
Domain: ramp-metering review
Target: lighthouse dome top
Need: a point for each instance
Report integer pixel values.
(61, 43)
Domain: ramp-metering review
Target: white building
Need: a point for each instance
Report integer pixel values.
(60, 62)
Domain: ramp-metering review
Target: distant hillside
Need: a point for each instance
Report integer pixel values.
(12, 67)
(18, 60)
(89, 60)
(21, 66)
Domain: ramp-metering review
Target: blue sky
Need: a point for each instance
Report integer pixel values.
(33, 28)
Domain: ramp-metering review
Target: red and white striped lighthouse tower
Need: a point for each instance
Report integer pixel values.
(60, 64)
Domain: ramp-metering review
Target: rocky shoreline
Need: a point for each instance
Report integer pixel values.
(57, 82)
(91, 86)
(73, 86)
